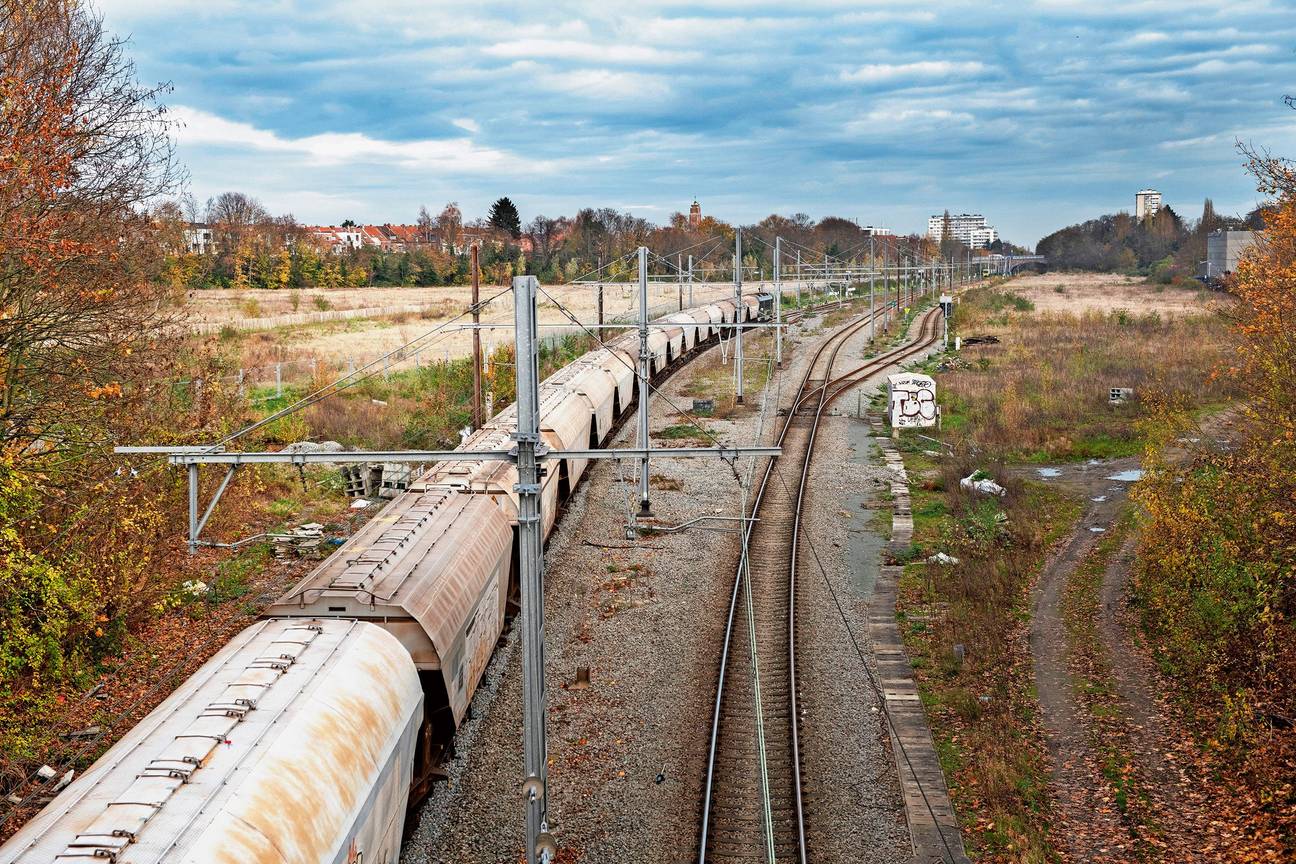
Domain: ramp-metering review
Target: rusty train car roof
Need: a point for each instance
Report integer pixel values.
(216, 773)
(425, 556)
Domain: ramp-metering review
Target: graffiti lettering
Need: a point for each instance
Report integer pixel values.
(913, 400)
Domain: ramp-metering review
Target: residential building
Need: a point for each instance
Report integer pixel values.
(1146, 203)
(970, 229)
(337, 239)
(875, 231)
(199, 239)
(1223, 249)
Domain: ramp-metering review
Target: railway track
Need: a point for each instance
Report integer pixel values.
(753, 809)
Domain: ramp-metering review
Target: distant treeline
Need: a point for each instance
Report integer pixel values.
(249, 248)
(1163, 245)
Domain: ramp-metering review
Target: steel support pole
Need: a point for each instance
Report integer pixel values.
(738, 314)
(193, 509)
(600, 311)
(690, 280)
(886, 290)
(679, 278)
(477, 418)
(540, 847)
(778, 302)
(644, 373)
(798, 277)
(872, 293)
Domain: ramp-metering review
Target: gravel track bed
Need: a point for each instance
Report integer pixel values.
(854, 806)
(855, 811)
(647, 617)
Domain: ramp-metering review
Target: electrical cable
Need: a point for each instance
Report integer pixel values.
(351, 379)
(648, 384)
(868, 671)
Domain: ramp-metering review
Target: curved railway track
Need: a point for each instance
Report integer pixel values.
(750, 754)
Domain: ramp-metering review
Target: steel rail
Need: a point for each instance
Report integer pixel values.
(821, 395)
(927, 335)
(831, 345)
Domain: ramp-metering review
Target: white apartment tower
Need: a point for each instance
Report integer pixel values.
(970, 229)
(1146, 203)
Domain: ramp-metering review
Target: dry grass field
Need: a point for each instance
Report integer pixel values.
(1079, 293)
(1041, 392)
(250, 336)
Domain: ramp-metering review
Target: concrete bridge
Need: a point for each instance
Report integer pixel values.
(1006, 265)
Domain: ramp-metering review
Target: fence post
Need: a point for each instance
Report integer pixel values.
(278, 379)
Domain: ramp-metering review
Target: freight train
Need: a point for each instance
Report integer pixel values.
(306, 739)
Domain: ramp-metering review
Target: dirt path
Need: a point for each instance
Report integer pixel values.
(1091, 828)
(1126, 783)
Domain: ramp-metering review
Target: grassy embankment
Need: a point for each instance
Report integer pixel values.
(1038, 395)
(982, 711)
(414, 408)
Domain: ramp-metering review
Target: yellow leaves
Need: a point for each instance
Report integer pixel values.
(111, 390)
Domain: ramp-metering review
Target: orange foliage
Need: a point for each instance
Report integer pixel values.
(1217, 573)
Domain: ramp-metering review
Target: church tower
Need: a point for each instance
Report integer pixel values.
(695, 214)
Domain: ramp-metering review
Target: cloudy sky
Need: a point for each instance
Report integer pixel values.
(1037, 114)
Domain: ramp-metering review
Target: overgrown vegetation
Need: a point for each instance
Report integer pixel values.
(981, 710)
(1215, 581)
(422, 408)
(1042, 392)
(87, 360)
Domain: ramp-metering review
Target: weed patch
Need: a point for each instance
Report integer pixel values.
(982, 710)
(1041, 394)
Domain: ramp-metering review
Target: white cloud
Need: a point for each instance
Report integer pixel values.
(341, 148)
(588, 52)
(884, 16)
(467, 124)
(602, 84)
(872, 73)
(1147, 37)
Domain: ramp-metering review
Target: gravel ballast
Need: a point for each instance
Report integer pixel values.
(646, 617)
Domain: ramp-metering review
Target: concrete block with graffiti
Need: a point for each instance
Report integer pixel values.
(911, 400)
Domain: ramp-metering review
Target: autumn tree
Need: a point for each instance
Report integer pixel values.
(425, 225)
(449, 224)
(1215, 581)
(90, 354)
(947, 240)
(546, 234)
(84, 149)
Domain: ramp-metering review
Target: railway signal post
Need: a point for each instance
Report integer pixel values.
(540, 843)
